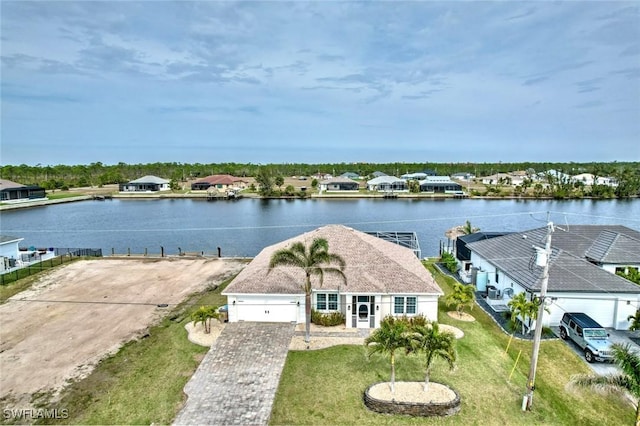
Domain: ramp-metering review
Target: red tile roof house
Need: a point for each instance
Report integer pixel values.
(219, 182)
(383, 278)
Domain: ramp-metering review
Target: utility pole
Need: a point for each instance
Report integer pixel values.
(531, 382)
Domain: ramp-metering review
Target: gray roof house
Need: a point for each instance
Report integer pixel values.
(387, 183)
(338, 184)
(582, 270)
(383, 278)
(146, 184)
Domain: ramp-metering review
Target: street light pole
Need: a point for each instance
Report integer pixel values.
(528, 398)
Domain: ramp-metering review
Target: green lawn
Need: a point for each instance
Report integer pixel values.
(326, 386)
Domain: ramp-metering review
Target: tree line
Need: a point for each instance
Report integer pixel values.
(98, 174)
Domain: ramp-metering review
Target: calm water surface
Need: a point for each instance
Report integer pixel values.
(244, 227)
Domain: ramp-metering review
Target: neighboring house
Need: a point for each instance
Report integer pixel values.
(383, 278)
(11, 192)
(440, 184)
(338, 184)
(387, 183)
(322, 176)
(146, 184)
(463, 254)
(581, 270)
(9, 252)
(219, 182)
(464, 176)
(504, 179)
(351, 175)
(378, 174)
(589, 179)
(414, 176)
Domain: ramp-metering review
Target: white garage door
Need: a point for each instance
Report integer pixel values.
(600, 310)
(267, 310)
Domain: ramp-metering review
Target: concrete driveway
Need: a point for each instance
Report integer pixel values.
(237, 380)
(615, 336)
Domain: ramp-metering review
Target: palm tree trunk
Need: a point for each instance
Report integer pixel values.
(307, 315)
(426, 380)
(393, 373)
(638, 414)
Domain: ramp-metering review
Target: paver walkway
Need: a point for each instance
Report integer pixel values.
(237, 380)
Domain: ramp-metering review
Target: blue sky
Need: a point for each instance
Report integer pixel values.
(278, 82)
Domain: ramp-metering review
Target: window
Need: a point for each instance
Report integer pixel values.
(405, 305)
(327, 302)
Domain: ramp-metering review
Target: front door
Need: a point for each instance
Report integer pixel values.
(363, 314)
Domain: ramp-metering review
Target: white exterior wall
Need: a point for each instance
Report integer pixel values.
(9, 249)
(610, 310)
(427, 306)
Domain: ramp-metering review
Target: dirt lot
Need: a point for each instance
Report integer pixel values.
(77, 314)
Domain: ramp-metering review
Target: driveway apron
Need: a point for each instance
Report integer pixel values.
(237, 380)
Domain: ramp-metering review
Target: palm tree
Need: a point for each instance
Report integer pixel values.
(527, 310)
(468, 229)
(203, 315)
(461, 297)
(314, 260)
(391, 336)
(635, 321)
(434, 344)
(627, 381)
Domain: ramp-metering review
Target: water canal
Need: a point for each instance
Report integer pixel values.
(245, 226)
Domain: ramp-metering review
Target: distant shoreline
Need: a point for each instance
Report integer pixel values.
(204, 196)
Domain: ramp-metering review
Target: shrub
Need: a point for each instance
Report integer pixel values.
(327, 320)
(449, 261)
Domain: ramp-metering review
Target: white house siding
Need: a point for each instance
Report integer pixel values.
(266, 308)
(9, 249)
(427, 306)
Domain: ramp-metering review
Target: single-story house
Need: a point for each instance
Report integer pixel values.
(465, 176)
(146, 184)
(442, 184)
(581, 270)
(12, 192)
(589, 179)
(378, 174)
(338, 184)
(414, 176)
(382, 278)
(387, 183)
(463, 254)
(9, 251)
(512, 179)
(351, 175)
(219, 182)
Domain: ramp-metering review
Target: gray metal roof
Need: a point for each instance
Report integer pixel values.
(614, 247)
(8, 239)
(569, 269)
(372, 266)
(338, 179)
(150, 179)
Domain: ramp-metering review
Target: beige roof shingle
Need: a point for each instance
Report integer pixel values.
(372, 266)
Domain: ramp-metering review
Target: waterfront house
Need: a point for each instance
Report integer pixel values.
(219, 182)
(12, 192)
(440, 184)
(414, 176)
(589, 179)
(146, 184)
(351, 175)
(387, 184)
(582, 270)
(9, 252)
(341, 184)
(464, 176)
(382, 278)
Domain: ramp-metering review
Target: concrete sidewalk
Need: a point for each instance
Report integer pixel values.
(237, 380)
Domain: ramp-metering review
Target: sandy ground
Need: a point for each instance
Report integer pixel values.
(77, 314)
(413, 392)
(464, 317)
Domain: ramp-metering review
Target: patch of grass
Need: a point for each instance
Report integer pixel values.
(143, 382)
(326, 386)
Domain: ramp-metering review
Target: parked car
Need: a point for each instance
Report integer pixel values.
(592, 338)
